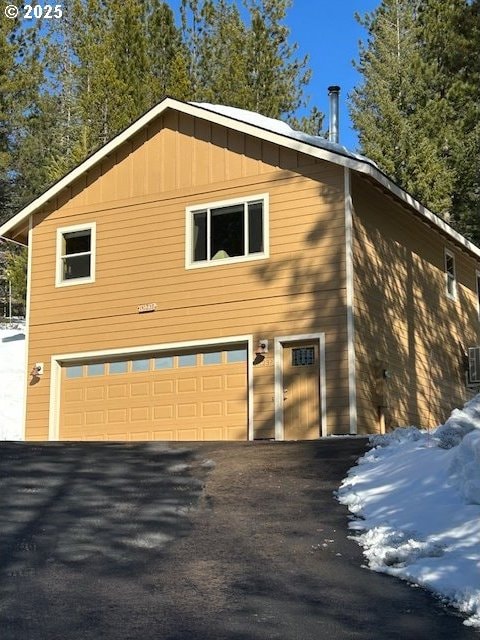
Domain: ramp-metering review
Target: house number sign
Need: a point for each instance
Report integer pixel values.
(147, 308)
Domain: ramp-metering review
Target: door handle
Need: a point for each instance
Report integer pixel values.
(285, 394)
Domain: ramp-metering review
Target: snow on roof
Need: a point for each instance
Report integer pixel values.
(282, 128)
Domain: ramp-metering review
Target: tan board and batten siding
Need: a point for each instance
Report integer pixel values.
(137, 198)
(404, 321)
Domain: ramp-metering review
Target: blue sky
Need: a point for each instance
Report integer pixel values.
(327, 31)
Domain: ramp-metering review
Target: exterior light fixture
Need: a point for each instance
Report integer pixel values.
(262, 347)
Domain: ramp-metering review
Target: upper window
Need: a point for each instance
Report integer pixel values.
(231, 231)
(450, 275)
(75, 255)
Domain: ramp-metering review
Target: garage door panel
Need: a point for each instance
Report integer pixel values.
(187, 385)
(212, 383)
(74, 395)
(117, 391)
(214, 434)
(165, 412)
(188, 410)
(140, 389)
(139, 414)
(94, 418)
(115, 416)
(186, 435)
(163, 387)
(176, 397)
(74, 419)
(212, 409)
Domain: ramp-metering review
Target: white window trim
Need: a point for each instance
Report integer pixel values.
(450, 254)
(190, 264)
(92, 227)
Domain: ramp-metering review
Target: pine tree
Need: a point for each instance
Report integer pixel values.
(167, 55)
(417, 110)
(276, 79)
(403, 125)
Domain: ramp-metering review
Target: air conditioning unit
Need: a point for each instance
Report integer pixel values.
(474, 365)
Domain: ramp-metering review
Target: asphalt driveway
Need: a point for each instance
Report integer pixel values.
(205, 541)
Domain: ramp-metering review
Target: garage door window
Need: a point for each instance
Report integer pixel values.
(212, 358)
(118, 367)
(239, 355)
(96, 370)
(189, 360)
(164, 363)
(140, 365)
(74, 372)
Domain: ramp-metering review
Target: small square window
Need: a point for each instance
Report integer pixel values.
(75, 255)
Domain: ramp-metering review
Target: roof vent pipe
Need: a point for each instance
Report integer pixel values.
(333, 93)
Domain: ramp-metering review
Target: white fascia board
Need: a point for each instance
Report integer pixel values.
(351, 162)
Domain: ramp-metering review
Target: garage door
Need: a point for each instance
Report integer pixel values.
(168, 396)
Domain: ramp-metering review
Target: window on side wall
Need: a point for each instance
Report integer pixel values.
(450, 275)
(75, 255)
(229, 231)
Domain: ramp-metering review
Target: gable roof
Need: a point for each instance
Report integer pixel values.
(258, 126)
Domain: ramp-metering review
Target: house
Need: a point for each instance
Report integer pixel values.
(211, 274)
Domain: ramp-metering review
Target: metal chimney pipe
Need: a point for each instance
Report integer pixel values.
(333, 94)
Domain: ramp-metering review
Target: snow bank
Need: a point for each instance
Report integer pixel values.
(461, 422)
(12, 383)
(416, 501)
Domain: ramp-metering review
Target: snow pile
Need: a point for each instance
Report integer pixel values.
(284, 129)
(416, 500)
(12, 383)
(461, 422)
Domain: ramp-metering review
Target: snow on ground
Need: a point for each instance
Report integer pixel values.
(12, 383)
(415, 497)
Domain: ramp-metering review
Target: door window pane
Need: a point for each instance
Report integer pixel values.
(303, 356)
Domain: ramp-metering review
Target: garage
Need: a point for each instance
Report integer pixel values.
(183, 395)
